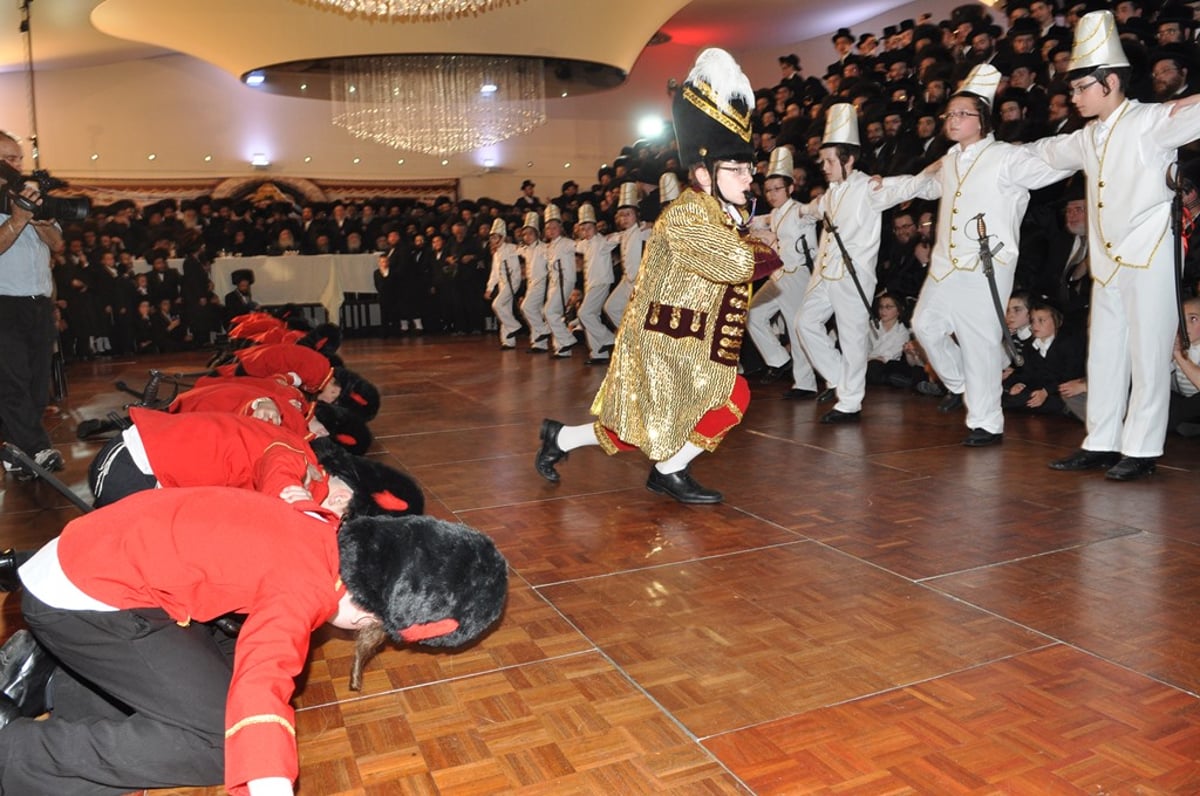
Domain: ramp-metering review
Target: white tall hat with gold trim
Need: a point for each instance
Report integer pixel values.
(532, 220)
(668, 187)
(553, 213)
(841, 125)
(781, 163)
(981, 82)
(1097, 43)
(587, 214)
(498, 228)
(628, 196)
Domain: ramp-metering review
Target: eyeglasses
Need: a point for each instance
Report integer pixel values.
(957, 115)
(1163, 72)
(1082, 87)
(743, 170)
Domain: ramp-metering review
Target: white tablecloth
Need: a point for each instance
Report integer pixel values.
(296, 279)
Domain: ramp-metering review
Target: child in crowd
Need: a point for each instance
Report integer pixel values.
(885, 359)
(1050, 360)
(1185, 376)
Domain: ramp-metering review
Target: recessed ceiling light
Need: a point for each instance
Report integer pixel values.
(151, 156)
(95, 156)
(356, 161)
(445, 163)
(488, 88)
(567, 165)
(564, 93)
(208, 158)
(400, 162)
(255, 79)
(308, 158)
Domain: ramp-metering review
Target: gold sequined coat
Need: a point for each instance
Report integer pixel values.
(676, 353)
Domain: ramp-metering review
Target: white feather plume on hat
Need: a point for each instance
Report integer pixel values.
(717, 68)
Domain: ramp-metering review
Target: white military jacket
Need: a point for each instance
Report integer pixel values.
(988, 177)
(854, 208)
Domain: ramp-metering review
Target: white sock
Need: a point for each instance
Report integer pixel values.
(417, 325)
(572, 437)
(682, 458)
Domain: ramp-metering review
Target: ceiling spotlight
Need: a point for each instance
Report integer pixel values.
(400, 162)
(259, 161)
(567, 165)
(489, 163)
(95, 156)
(650, 126)
(308, 158)
(488, 88)
(151, 156)
(255, 79)
(356, 161)
(445, 163)
(208, 158)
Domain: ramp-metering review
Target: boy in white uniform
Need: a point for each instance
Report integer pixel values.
(788, 233)
(597, 279)
(955, 319)
(854, 208)
(560, 281)
(632, 240)
(1125, 153)
(533, 252)
(503, 283)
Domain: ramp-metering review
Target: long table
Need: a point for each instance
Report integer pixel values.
(297, 279)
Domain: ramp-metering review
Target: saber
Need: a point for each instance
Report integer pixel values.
(808, 258)
(1175, 183)
(989, 270)
(850, 267)
(19, 456)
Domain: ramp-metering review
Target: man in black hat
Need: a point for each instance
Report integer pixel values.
(239, 301)
(527, 201)
(843, 43)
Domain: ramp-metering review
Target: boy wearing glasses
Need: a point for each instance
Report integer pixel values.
(833, 291)
(672, 388)
(1125, 153)
(955, 318)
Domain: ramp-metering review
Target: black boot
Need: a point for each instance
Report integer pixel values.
(681, 486)
(549, 454)
(10, 561)
(25, 669)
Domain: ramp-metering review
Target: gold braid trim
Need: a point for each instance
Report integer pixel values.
(707, 443)
(606, 443)
(702, 98)
(733, 410)
(265, 718)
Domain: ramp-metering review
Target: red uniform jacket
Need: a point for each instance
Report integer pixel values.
(201, 553)
(235, 396)
(307, 369)
(214, 449)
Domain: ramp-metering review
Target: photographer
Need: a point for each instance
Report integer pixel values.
(26, 320)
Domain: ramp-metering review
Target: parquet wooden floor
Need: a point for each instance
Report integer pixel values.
(875, 609)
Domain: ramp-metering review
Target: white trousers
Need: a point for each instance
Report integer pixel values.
(618, 300)
(598, 335)
(1132, 330)
(555, 313)
(961, 305)
(532, 307)
(502, 305)
(845, 369)
(783, 295)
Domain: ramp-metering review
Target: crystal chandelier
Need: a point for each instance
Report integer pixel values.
(412, 9)
(438, 104)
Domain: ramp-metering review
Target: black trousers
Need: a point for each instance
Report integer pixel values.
(113, 474)
(145, 706)
(27, 338)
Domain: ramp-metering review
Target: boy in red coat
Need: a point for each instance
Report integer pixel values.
(149, 697)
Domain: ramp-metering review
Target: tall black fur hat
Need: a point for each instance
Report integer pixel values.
(711, 111)
(326, 338)
(429, 581)
(242, 275)
(345, 428)
(358, 395)
(379, 490)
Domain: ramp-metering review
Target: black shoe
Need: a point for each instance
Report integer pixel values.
(950, 403)
(826, 395)
(596, 361)
(537, 351)
(796, 394)
(506, 347)
(25, 669)
(772, 375)
(93, 427)
(981, 438)
(549, 454)
(834, 416)
(606, 349)
(1131, 468)
(681, 486)
(10, 561)
(1087, 460)
(229, 624)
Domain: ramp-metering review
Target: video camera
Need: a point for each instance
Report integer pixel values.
(62, 208)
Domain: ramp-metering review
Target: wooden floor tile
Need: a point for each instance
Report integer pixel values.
(1052, 721)
(1132, 600)
(736, 640)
